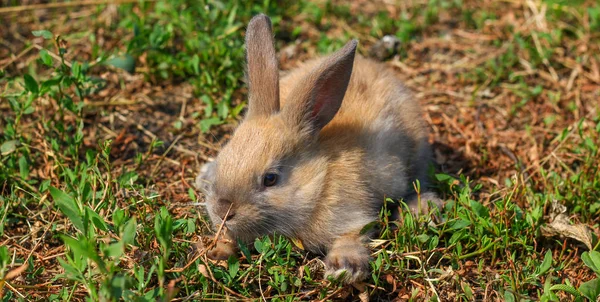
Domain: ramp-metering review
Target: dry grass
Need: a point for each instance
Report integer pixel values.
(511, 91)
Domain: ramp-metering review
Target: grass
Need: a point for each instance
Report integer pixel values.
(108, 111)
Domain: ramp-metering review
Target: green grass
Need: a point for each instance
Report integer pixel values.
(106, 118)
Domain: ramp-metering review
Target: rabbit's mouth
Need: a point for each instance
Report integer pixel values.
(248, 229)
(229, 223)
(226, 223)
(240, 225)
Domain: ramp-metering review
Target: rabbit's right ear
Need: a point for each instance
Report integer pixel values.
(315, 101)
(263, 70)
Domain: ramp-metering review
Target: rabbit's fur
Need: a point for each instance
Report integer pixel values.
(335, 161)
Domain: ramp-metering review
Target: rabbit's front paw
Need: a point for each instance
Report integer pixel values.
(348, 262)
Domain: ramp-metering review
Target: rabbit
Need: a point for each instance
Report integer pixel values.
(316, 154)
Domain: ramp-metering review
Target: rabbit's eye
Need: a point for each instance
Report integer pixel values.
(270, 179)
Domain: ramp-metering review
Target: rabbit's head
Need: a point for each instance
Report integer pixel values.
(269, 176)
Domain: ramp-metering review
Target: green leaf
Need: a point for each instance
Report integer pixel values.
(46, 58)
(23, 167)
(4, 257)
(42, 33)
(128, 178)
(369, 226)
(444, 178)
(236, 111)
(129, 231)
(223, 109)
(548, 296)
(178, 124)
(467, 290)
(83, 247)
(592, 260)
(479, 209)
(47, 85)
(151, 295)
(206, 124)
(44, 185)
(76, 69)
(258, 245)
(546, 264)
(565, 288)
(244, 249)
(234, 266)
(96, 220)
(70, 271)
(195, 64)
(118, 286)
(75, 245)
(115, 249)
(434, 242)
(28, 110)
(459, 224)
(125, 62)
(66, 204)
(591, 289)
(509, 297)
(30, 84)
(118, 217)
(190, 227)
(208, 110)
(192, 194)
(423, 238)
(163, 227)
(9, 147)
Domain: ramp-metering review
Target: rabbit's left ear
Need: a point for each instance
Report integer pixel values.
(315, 101)
(263, 70)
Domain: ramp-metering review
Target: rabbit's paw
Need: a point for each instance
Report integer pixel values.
(349, 263)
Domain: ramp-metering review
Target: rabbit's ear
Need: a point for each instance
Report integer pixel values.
(315, 101)
(263, 72)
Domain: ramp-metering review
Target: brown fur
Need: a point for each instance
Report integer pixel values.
(263, 75)
(336, 160)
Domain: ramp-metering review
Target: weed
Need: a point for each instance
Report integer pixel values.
(102, 107)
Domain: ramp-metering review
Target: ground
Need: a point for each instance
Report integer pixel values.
(109, 110)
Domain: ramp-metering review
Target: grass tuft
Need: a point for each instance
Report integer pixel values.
(108, 111)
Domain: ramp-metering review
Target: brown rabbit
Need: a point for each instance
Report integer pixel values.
(316, 154)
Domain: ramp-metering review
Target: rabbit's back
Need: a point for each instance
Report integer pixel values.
(381, 121)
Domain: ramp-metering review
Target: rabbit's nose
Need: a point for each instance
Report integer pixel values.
(225, 209)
